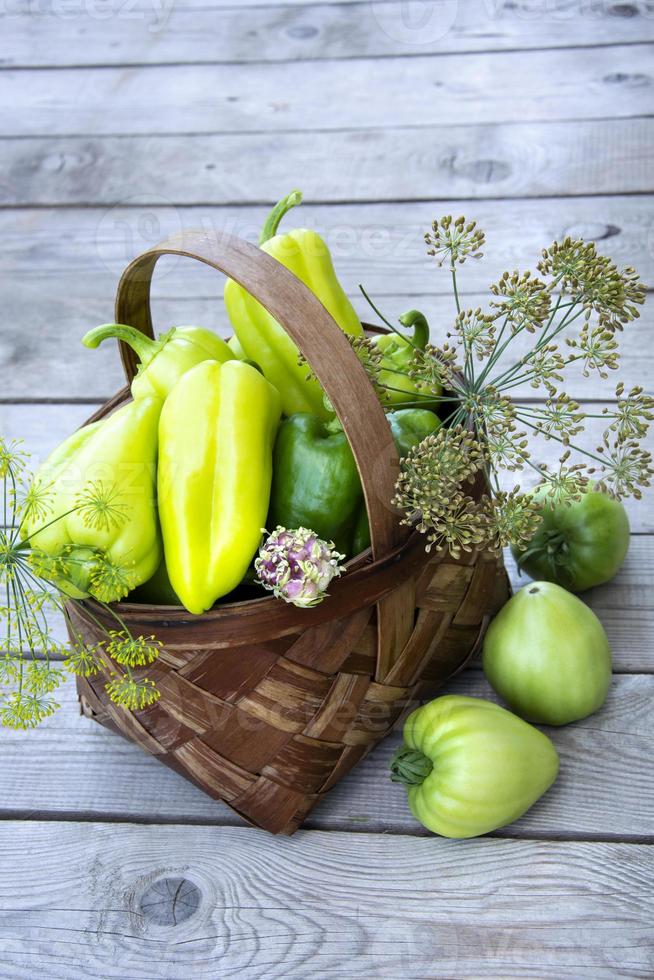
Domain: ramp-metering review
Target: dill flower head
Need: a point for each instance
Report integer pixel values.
(132, 693)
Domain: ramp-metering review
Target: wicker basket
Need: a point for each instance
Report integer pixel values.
(264, 705)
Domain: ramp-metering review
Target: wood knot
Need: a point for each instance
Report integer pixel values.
(482, 171)
(623, 10)
(169, 901)
(302, 31)
(593, 231)
(635, 80)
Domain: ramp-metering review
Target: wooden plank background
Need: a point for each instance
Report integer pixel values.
(121, 122)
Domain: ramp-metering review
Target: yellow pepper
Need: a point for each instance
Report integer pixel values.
(216, 437)
(96, 512)
(262, 339)
(162, 361)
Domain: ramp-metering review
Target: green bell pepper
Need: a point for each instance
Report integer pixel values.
(316, 483)
(469, 766)
(262, 339)
(398, 353)
(166, 359)
(315, 480)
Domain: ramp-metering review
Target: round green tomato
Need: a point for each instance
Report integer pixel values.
(577, 545)
(469, 766)
(547, 655)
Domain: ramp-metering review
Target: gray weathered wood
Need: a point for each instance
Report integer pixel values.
(144, 33)
(379, 245)
(76, 900)
(605, 790)
(408, 163)
(568, 84)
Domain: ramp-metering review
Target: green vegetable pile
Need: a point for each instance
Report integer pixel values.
(166, 499)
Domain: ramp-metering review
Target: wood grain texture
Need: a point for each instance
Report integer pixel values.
(318, 905)
(605, 789)
(379, 245)
(390, 164)
(306, 96)
(217, 31)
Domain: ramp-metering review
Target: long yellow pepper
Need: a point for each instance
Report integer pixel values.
(216, 434)
(264, 340)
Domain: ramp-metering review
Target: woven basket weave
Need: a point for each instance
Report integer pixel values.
(264, 705)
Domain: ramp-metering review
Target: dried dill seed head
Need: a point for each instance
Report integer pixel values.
(511, 518)
(633, 414)
(627, 468)
(476, 332)
(545, 366)
(456, 527)
(444, 460)
(567, 483)
(434, 368)
(598, 350)
(506, 450)
(525, 301)
(455, 240)
(561, 417)
(370, 356)
(602, 288)
(581, 299)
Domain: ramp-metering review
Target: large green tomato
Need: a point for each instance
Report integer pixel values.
(547, 655)
(577, 545)
(470, 766)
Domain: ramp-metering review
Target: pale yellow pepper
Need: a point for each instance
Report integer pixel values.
(216, 437)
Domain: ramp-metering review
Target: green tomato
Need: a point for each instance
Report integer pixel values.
(577, 545)
(470, 766)
(547, 655)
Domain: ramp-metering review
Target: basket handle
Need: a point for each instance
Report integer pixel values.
(318, 336)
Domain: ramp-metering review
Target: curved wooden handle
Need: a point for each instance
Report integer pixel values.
(318, 336)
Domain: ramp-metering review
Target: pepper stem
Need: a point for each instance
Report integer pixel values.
(144, 346)
(271, 223)
(417, 320)
(410, 766)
